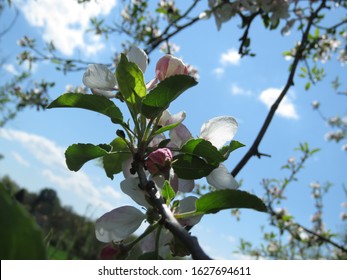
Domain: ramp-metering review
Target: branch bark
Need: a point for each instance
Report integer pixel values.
(167, 218)
(253, 150)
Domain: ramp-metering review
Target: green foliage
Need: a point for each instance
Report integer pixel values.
(159, 99)
(131, 83)
(198, 158)
(168, 193)
(20, 237)
(78, 154)
(96, 103)
(218, 200)
(112, 161)
(191, 167)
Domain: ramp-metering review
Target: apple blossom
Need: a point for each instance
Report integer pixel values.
(118, 224)
(168, 66)
(187, 204)
(221, 178)
(98, 76)
(102, 81)
(159, 162)
(218, 131)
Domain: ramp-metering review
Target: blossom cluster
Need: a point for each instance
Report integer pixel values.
(118, 224)
(224, 11)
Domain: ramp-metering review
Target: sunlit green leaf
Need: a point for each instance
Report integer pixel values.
(168, 193)
(113, 161)
(228, 199)
(78, 154)
(131, 83)
(92, 102)
(234, 145)
(203, 149)
(164, 93)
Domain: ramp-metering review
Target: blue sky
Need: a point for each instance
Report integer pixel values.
(33, 144)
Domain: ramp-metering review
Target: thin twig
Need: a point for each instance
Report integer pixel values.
(253, 150)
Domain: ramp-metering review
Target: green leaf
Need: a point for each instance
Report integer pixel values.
(92, 102)
(203, 149)
(166, 128)
(191, 167)
(78, 154)
(227, 150)
(131, 83)
(164, 93)
(113, 161)
(20, 237)
(168, 193)
(307, 86)
(228, 199)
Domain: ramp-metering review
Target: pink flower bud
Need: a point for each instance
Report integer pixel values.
(168, 66)
(159, 162)
(109, 252)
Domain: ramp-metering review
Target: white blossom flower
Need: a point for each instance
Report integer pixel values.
(221, 178)
(103, 82)
(118, 224)
(218, 131)
(98, 76)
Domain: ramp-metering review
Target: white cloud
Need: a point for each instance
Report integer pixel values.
(54, 169)
(218, 72)
(286, 108)
(10, 69)
(236, 90)
(230, 57)
(20, 159)
(65, 22)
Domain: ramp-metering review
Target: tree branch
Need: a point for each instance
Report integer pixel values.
(167, 218)
(253, 150)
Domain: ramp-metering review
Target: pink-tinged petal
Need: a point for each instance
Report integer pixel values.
(151, 84)
(139, 57)
(219, 130)
(187, 204)
(185, 185)
(100, 77)
(176, 118)
(148, 243)
(220, 178)
(180, 135)
(167, 119)
(161, 67)
(130, 186)
(168, 66)
(107, 94)
(156, 140)
(118, 224)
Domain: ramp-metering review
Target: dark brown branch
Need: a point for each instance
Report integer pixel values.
(167, 218)
(253, 150)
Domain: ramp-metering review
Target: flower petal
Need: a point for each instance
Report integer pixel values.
(187, 204)
(107, 94)
(180, 135)
(139, 57)
(185, 185)
(100, 77)
(118, 224)
(219, 130)
(130, 186)
(220, 178)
